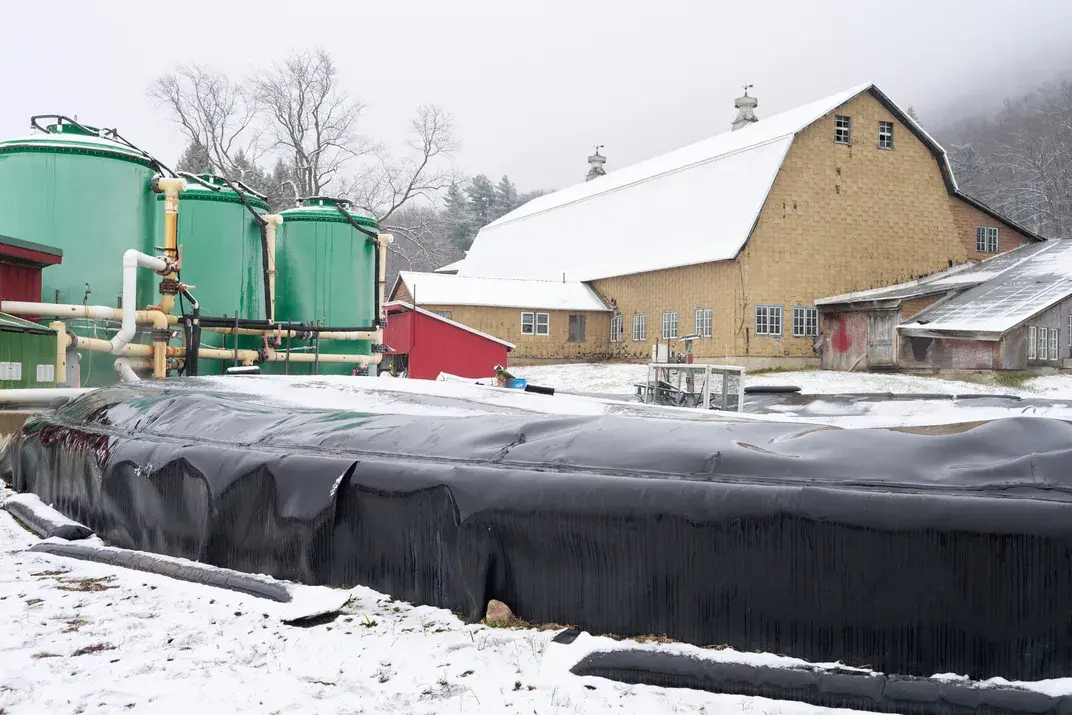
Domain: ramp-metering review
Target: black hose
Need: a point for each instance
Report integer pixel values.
(216, 321)
(262, 224)
(110, 134)
(374, 239)
(191, 334)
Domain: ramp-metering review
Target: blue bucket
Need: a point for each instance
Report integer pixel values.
(516, 383)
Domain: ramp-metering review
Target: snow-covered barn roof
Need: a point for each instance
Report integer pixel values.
(440, 289)
(993, 308)
(957, 278)
(401, 305)
(693, 205)
(450, 268)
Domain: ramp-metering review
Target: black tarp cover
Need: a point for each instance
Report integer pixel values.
(908, 551)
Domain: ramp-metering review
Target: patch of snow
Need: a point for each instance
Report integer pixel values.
(90, 638)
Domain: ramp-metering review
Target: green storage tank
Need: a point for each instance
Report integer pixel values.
(90, 197)
(327, 277)
(27, 354)
(221, 256)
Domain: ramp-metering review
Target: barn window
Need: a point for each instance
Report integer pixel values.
(805, 322)
(769, 320)
(617, 329)
(885, 135)
(986, 239)
(1031, 338)
(1055, 337)
(528, 323)
(1070, 331)
(640, 328)
(535, 323)
(543, 324)
(842, 129)
(576, 328)
(703, 322)
(1042, 347)
(669, 324)
(443, 313)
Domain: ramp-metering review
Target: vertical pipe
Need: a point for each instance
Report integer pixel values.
(171, 189)
(61, 351)
(271, 222)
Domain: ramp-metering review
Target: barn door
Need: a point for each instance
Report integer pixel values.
(880, 339)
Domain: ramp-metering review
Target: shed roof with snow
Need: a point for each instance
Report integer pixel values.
(694, 205)
(1037, 282)
(958, 278)
(441, 289)
(401, 306)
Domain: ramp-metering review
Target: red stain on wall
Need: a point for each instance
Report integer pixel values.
(841, 341)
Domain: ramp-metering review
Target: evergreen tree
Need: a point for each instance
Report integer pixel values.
(505, 198)
(481, 193)
(458, 219)
(195, 160)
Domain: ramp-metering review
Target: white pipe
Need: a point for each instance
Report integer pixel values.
(40, 395)
(131, 260)
(124, 371)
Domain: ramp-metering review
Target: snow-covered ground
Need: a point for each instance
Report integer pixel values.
(615, 381)
(79, 637)
(619, 378)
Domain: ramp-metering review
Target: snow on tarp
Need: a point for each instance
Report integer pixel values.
(817, 543)
(692, 205)
(1004, 302)
(445, 289)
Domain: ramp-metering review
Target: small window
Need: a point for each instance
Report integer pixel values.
(1043, 344)
(703, 322)
(842, 129)
(1031, 344)
(769, 320)
(805, 322)
(443, 313)
(669, 324)
(617, 329)
(576, 329)
(1055, 337)
(1070, 331)
(885, 135)
(543, 324)
(528, 323)
(986, 239)
(640, 328)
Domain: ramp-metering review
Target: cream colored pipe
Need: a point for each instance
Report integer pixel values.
(61, 351)
(171, 188)
(90, 312)
(351, 335)
(142, 350)
(39, 395)
(271, 222)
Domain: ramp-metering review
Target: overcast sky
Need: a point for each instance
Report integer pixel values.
(532, 89)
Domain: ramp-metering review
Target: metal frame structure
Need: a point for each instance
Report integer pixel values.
(672, 374)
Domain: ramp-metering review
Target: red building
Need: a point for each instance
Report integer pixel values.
(20, 268)
(423, 344)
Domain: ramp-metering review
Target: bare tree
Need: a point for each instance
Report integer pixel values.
(215, 113)
(313, 120)
(390, 184)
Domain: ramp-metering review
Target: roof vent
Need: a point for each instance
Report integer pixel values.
(745, 110)
(596, 162)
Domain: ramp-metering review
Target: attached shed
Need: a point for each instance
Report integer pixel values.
(423, 344)
(21, 263)
(27, 353)
(1012, 312)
